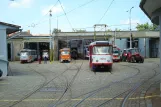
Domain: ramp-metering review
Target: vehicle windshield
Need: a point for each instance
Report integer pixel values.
(23, 53)
(134, 51)
(45, 53)
(102, 50)
(65, 53)
(116, 51)
(125, 51)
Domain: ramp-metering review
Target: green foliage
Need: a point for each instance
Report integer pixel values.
(56, 30)
(108, 30)
(118, 29)
(146, 26)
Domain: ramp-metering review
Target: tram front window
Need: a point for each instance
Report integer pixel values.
(65, 53)
(24, 53)
(116, 51)
(45, 53)
(102, 50)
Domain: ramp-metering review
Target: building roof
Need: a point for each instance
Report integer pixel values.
(151, 9)
(20, 34)
(8, 24)
(10, 28)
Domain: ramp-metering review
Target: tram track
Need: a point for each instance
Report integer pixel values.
(93, 92)
(78, 68)
(122, 93)
(135, 89)
(146, 91)
(42, 84)
(137, 85)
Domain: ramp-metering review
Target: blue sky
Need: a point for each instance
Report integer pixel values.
(28, 13)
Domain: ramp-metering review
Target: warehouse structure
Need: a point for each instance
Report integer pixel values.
(147, 41)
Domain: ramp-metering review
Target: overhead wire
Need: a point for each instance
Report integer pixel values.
(105, 14)
(84, 4)
(40, 21)
(66, 15)
(81, 6)
(106, 11)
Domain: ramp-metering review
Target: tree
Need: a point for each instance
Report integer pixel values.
(56, 30)
(108, 30)
(146, 26)
(118, 29)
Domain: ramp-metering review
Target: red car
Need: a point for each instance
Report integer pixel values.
(133, 55)
(124, 55)
(116, 54)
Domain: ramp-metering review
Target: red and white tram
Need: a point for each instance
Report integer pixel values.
(116, 54)
(27, 55)
(100, 55)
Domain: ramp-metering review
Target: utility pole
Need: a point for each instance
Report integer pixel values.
(130, 27)
(94, 32)
(115, 38)
(57, 22)
(145, 46)
(105, 33)
(51, 52)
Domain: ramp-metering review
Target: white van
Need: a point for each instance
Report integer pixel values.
(45, 53)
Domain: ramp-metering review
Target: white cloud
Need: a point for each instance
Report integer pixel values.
(21, 4)
(133, 21)
(55, 9)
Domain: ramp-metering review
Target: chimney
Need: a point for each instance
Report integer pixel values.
(28, 31)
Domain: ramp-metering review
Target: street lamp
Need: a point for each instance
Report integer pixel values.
(50, 35)
(130, 26)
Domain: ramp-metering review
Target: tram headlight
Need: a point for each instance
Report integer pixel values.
(108, 60)
(96, 60)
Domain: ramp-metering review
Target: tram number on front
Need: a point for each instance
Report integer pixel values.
(103, 58)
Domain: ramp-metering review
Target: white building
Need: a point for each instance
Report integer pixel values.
(5, 29)
(152, 8)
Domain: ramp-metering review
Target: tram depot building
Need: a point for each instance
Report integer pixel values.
(147, 41)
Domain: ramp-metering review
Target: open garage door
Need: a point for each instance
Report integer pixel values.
(61, 44)
(39, 46)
